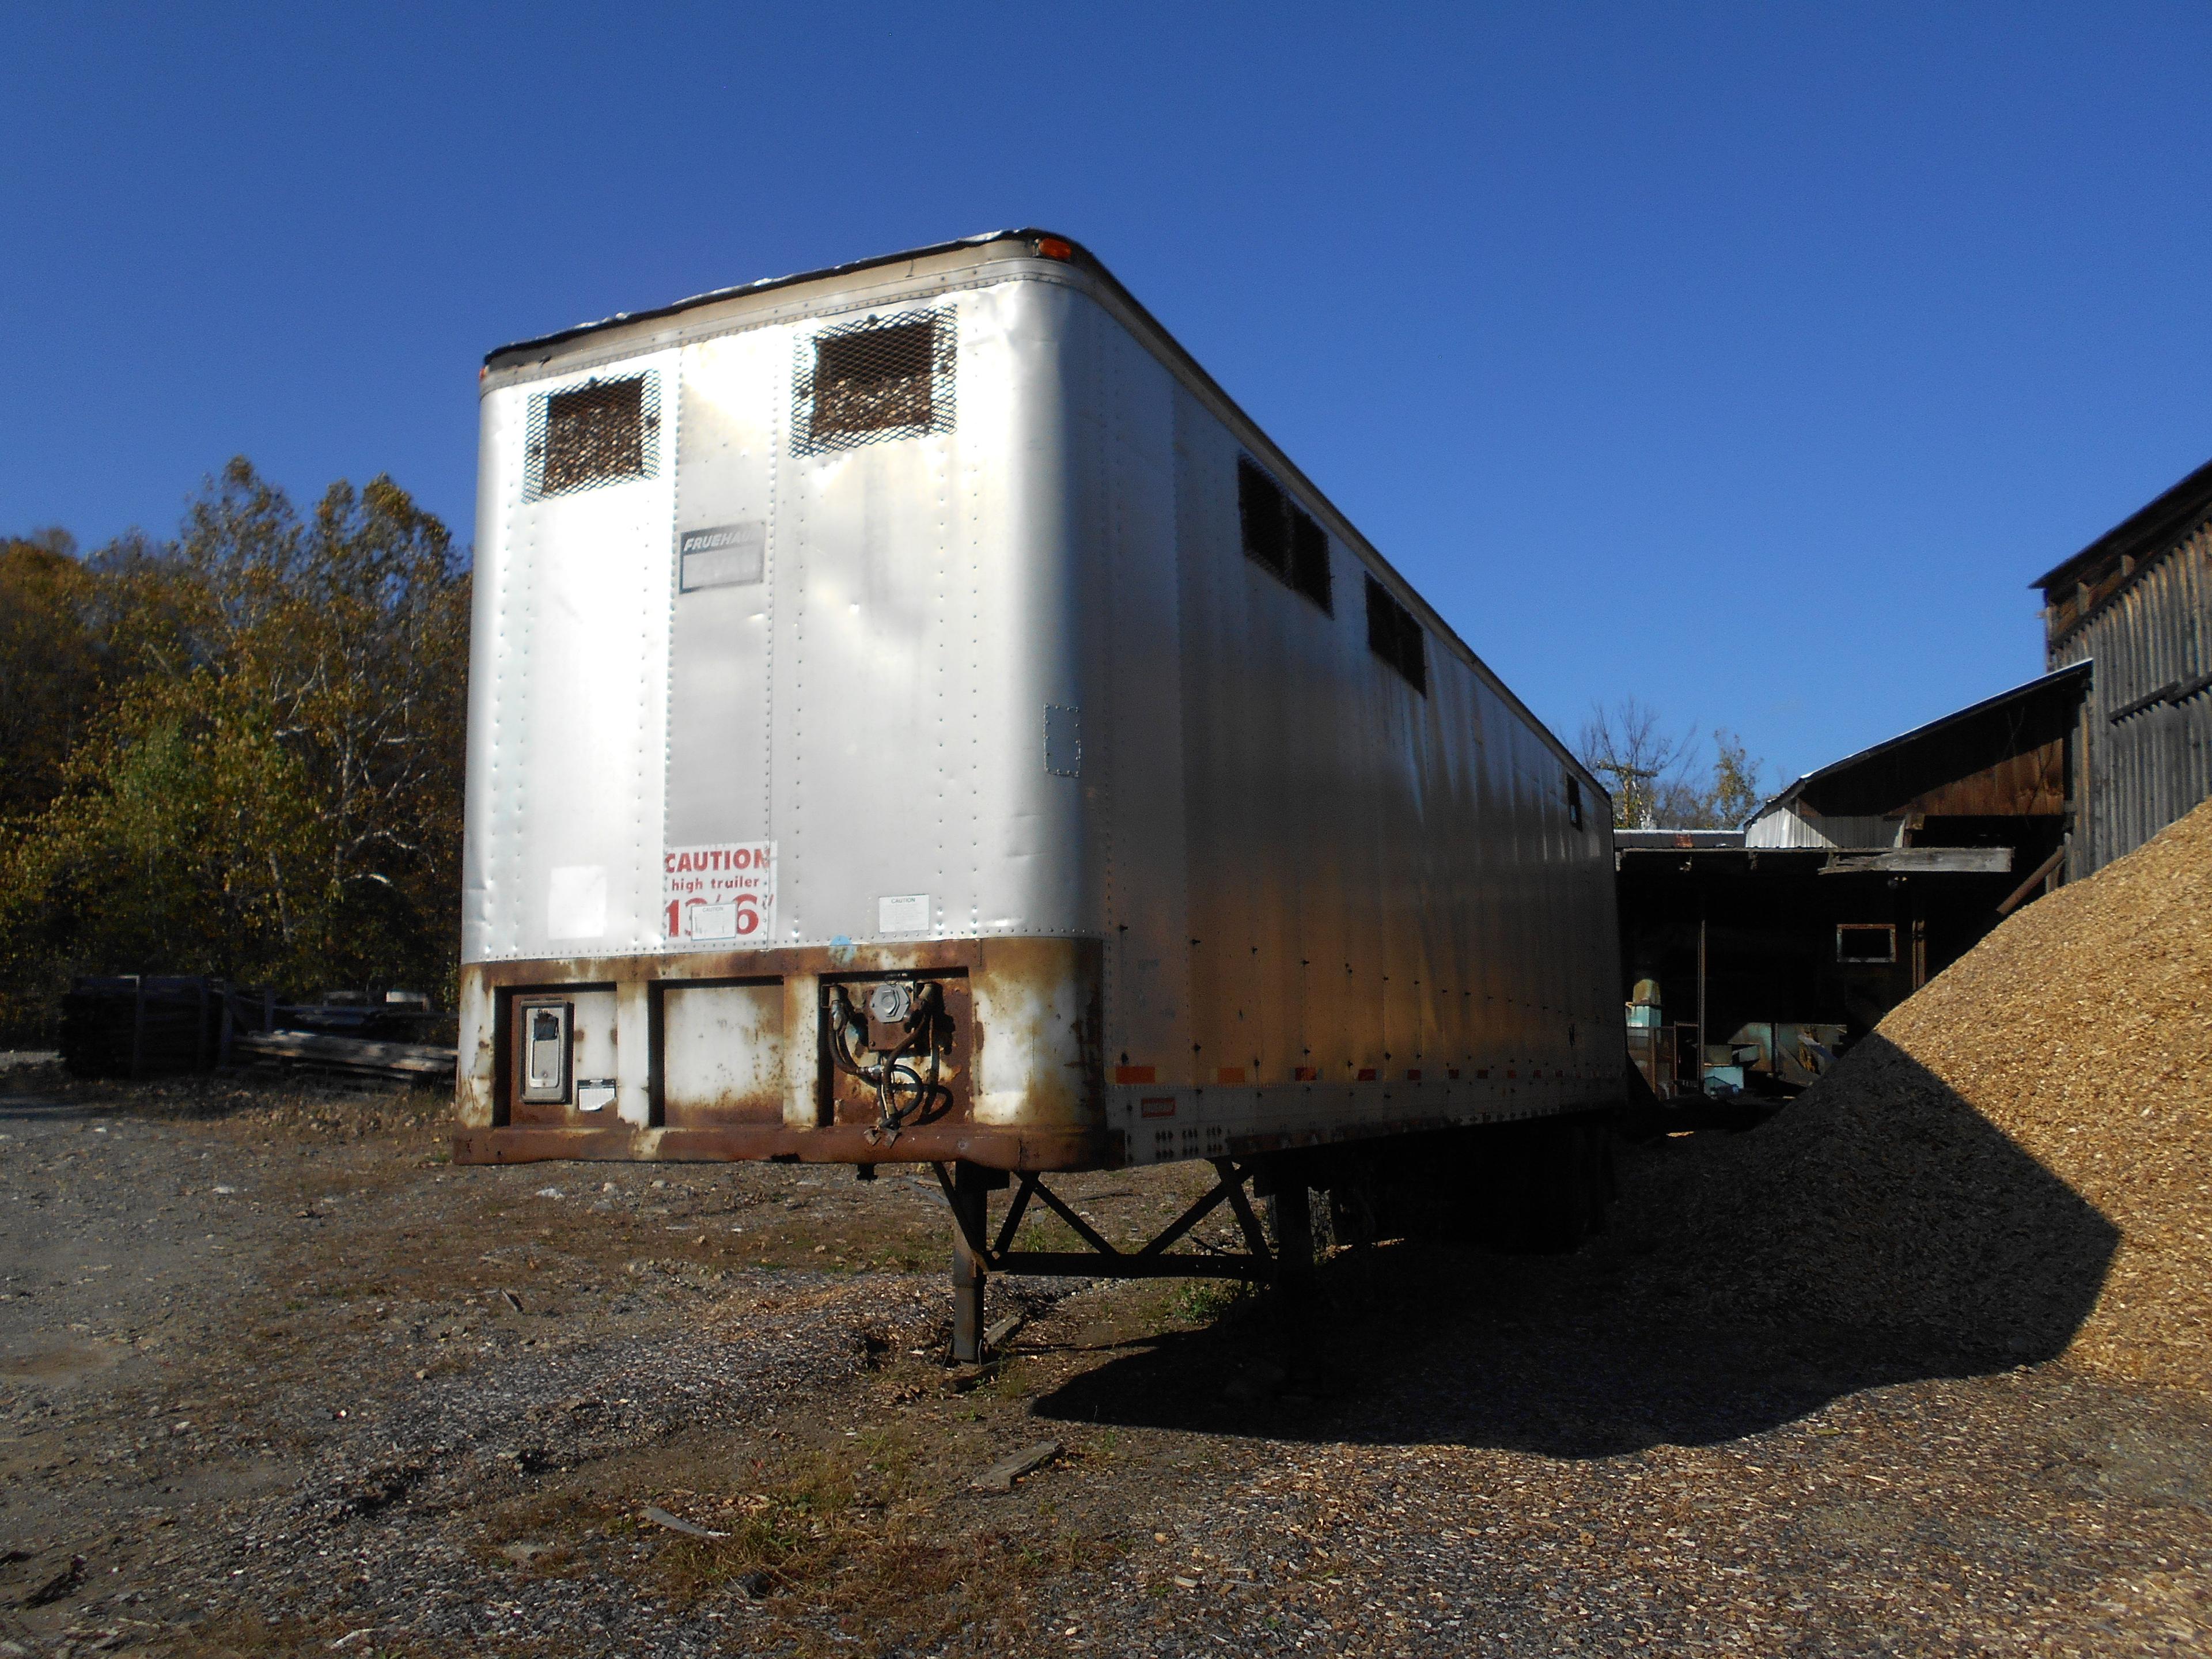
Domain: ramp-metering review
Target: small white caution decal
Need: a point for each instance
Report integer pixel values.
(719, 894)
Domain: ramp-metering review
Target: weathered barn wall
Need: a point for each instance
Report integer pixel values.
(2137, 603)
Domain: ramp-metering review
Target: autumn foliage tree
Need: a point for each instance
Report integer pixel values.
(266, 781)
(50, 666)
(1656, 776)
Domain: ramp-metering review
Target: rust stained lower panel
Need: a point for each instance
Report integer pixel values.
(1036, 1149)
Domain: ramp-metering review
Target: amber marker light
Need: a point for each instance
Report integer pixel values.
(1052, 247)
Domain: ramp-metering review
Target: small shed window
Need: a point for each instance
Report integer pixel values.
(1280, 535)
(603, 432)
(1866, 941)
(1395, 634)
(878, 379)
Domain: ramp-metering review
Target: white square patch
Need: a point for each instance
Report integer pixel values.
(576, 901)
(904, 913)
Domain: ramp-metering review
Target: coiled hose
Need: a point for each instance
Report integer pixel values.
(905, 1078)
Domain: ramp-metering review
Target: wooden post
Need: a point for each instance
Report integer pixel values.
(1698, 1075)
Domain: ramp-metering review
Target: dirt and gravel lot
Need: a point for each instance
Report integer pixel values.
(277, 1378)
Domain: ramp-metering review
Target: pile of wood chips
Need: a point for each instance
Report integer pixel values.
(2019, 1158)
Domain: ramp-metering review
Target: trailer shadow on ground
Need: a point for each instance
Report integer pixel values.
(1748, 1281)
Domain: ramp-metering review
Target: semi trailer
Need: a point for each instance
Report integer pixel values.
(915, 716)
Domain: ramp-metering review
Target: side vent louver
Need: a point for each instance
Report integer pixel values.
(878, 379)
(1280, 535)
(1395, 636)
(603, 432)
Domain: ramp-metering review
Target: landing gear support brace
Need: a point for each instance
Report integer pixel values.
(975, 1253)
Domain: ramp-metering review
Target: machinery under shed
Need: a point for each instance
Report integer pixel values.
(1751, 956)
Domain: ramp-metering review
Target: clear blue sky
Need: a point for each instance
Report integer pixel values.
(1749, 358)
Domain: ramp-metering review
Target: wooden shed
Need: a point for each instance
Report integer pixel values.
(1845, 894)
(2137, 603)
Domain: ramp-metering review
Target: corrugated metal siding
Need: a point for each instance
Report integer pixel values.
(1796, 826)
(2152, 766)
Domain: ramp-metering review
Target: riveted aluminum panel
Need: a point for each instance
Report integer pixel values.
(567, 729)
(718, 780)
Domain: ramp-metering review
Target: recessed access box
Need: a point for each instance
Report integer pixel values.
(721, 1053)
(545, 1027)
(564, 1056)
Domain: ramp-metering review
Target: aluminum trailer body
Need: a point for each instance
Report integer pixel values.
(916, 716)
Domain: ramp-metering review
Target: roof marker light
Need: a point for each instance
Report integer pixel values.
(1052, 247)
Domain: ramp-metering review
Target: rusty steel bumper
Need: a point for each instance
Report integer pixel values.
(713, 1056)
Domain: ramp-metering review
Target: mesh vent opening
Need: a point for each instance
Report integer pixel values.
(1280, 535)
(1395, 635)
(879, 379)
(602, 431)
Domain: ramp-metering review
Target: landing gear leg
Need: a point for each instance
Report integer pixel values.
(1294, 1242)
(970, 1198)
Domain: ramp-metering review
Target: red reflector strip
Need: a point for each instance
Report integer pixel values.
(1133, 1075)
(1413, 1077)
(1306, 1074)
(1367, 1074)
(1229, 1074)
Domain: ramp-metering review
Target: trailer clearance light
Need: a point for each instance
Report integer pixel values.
(1051, 247)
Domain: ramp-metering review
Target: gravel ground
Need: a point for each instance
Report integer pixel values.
(277, 1379)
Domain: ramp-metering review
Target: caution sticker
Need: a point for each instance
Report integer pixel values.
(718, 896)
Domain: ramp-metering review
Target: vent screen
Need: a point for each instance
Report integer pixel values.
(602, 431)
(1281, 535)
(1395, 636)
(876, 379)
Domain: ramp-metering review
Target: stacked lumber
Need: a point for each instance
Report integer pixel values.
(393, 1062)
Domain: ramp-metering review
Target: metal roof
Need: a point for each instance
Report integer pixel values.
(1678, 840)
(2149, 527)
(1932, 735)
(766, 284)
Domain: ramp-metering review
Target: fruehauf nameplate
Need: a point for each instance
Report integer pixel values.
(720, 555)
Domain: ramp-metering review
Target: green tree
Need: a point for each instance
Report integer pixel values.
(272, 789)
(49, 666)
(1736, 784)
